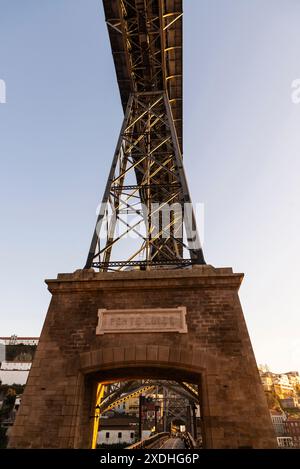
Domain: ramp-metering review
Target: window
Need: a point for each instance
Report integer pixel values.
(119, 435)
(107, 435)
(132, 435)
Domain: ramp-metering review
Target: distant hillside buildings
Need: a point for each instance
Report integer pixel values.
(16, 355)
(283, 395)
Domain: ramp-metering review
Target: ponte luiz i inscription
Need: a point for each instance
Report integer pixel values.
(142, 320)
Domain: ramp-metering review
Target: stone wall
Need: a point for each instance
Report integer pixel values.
(57, 404)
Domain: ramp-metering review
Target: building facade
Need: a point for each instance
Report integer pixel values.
(279, 422)
(293, 431)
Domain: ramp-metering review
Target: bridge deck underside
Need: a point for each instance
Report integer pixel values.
(146, 42)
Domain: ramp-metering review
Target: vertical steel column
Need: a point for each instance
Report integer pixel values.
(190, 225)
(107, 188)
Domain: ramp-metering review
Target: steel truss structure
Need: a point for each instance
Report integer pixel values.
(146, 43)
(146, 219)
(179, 399)
(118, 392)
(146, 199)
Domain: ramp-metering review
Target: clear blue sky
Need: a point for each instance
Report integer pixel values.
(59, 126)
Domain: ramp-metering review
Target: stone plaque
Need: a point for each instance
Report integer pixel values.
(118, 321)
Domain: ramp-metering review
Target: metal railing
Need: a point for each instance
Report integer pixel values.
(190, 443)
(146, 442)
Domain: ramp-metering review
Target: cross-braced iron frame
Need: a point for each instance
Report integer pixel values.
(146, 200)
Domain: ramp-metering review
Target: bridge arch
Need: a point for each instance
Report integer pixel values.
(140, 362)
(194, 359)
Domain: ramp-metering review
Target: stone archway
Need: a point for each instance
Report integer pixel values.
(201, 332)
(158, 363)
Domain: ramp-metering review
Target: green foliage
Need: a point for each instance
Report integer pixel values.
(3, 438)
(273, 402)
(8, 394)
(293, 413)
(8, 402)
(19, 352)
(18, 388)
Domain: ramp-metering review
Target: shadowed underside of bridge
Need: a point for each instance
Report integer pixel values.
(150, 309)
(146, 43)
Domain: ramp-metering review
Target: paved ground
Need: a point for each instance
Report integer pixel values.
(173, 443)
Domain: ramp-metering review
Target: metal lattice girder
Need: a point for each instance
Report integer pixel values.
(175, 406)
(146, 202)
(135, 392)
(146, 43)
(181, 390)
(193, 389)
(117, 393)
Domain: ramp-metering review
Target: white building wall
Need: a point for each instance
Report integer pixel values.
(111, 437)
(13, 377)
(284, 442)
(279, 424)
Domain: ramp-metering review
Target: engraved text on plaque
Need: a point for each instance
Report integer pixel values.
(142, 320)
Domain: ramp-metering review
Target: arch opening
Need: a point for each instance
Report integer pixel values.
(134, 404)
